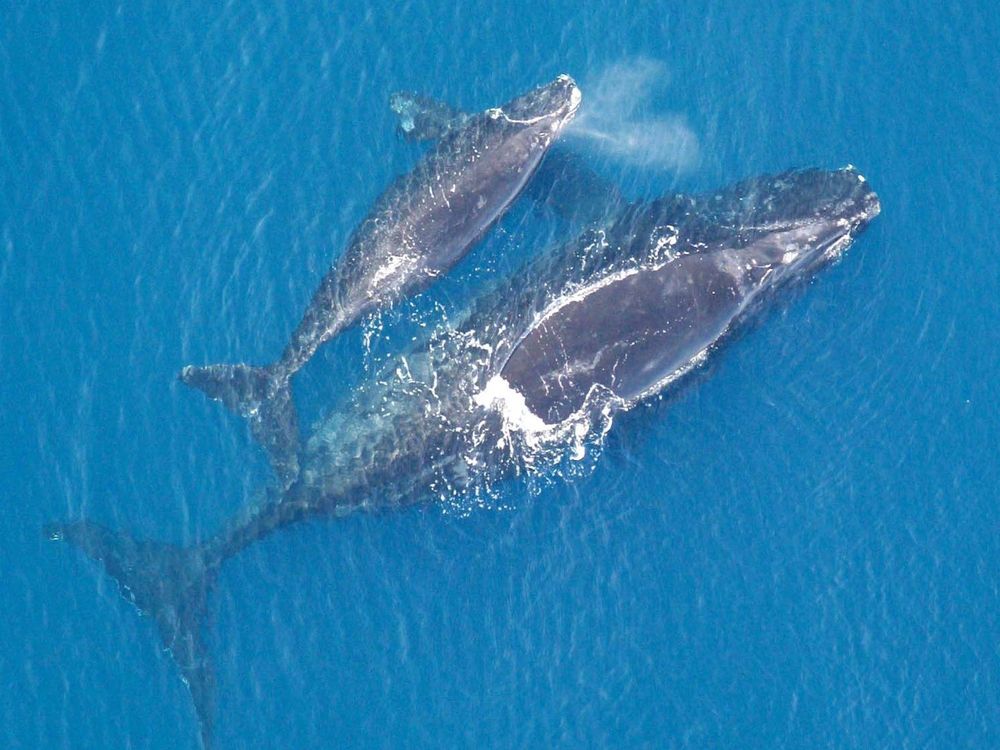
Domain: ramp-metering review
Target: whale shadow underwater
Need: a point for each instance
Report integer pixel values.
(533, 371)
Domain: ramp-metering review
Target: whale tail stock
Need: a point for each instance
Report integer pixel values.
(263, 396)
(168, 583)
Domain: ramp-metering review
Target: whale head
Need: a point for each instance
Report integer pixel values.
(548, 108)
(808, 196)
(791, 225)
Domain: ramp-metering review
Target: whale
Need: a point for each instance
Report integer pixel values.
(424, 223)
(542, 361)
(631, 332)
(564, 182)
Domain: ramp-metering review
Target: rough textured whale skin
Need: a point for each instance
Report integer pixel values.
(420, 424)
(564, 181)
(629, 332)
(418, 229)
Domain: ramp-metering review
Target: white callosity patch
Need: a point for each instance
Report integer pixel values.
(575, 97)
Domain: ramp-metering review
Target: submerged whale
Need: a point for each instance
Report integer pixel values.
(420, 227)
(555, 351)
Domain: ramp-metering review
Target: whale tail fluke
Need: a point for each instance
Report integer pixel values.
(168, 583)
(263, 397)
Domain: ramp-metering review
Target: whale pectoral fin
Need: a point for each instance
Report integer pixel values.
(264, 400)
(168, 583)
(422, 118)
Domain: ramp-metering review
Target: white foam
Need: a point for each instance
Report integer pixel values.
(499, 394)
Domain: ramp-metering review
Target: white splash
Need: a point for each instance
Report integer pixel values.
(499, 395)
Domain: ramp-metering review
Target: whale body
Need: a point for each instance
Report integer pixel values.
(419, 228)
(623, 312)
(630, 332)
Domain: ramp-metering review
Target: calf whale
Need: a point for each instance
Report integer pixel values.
(591, 327)
(420, 227)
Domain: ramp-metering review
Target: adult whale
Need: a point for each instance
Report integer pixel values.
(631, 332)
(420, 227)
(583, 331)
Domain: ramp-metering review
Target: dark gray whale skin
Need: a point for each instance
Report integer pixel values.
(624, 311)
(419, 228)
(630, 332)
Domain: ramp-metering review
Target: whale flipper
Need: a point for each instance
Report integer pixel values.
(423, 118)
(264, 399)
(168, 583)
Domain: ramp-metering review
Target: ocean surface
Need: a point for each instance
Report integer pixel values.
(800, 550)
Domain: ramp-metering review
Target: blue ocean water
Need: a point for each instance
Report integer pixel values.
(800, 551)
